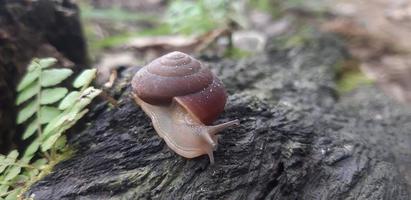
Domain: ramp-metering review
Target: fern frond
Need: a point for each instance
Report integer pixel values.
(38, 96)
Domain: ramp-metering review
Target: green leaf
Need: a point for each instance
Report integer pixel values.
(54, 76)
(48, 113)
(53, 135)
(32, 172)
(52, 95)
(32, 148)
(47, 62)
(34, 64)
(27, 112)
(85, 78)
(21, 179)
(49, 142)
(53, 125)
(3, 188)
(12, 172)
(28, 79)
(25, 160)
(3, 166)
(12, 156)
(14, 194)
(61, 142)
(31, 129)
(69, 100)
(86, 97)
(27, 93)
(40, 163)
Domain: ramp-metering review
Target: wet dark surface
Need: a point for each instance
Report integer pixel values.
(297, 140)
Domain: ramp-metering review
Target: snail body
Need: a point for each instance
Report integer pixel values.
(182, 98)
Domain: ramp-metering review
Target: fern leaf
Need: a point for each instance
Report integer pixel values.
(4, 188)
(29, 78)
(27, 112)
(27, 93)
(85, 78)
(49, 142)
(52, 95)
(12, 156)
(48, 113)
(52, 77)
(12, 172)
(30, 130)
(34, 65)
(32, 148)
(69, 100)
(39, 164)
(47, 62)
(14, 194)
(3, 164)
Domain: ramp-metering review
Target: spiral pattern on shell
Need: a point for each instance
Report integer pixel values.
(181, 77)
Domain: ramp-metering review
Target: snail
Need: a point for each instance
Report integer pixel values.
(182, 97)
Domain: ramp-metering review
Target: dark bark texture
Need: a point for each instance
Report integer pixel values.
(297, 140)
(34, 29)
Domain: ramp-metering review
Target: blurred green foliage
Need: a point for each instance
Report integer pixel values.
(193, 17)
(114, 14)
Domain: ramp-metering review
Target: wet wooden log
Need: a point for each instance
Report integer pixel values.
(297, 140)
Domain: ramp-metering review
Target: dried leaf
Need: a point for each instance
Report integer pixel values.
(27, 112)
(48, 113)
(27, 93)
(54, 76)
(69, 100)
(85, 78)
(52, 95)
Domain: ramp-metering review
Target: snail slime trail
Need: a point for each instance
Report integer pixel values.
(182, 97)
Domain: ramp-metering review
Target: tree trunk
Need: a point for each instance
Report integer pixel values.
(34, 29)
(297, 140)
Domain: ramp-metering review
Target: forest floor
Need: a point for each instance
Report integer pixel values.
(376, 34)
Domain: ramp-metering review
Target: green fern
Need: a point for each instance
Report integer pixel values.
(48, 111)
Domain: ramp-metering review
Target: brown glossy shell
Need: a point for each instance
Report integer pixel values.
(180, 77)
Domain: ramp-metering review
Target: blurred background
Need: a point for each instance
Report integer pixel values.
(133, 32)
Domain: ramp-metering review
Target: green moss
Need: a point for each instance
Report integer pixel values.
(351, 80)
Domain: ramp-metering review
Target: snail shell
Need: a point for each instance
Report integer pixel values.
(180, 77)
